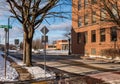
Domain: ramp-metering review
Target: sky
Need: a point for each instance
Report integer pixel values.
(57, 27)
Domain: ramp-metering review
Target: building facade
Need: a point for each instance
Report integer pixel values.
(90, 33)
(58, 45)
(62, 44)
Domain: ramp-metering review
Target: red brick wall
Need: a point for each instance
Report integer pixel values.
(82, 48)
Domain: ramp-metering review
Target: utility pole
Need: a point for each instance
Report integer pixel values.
(6, 29)
(44, 30)
(5, 56)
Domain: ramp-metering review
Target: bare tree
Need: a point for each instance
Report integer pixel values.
(109, 11)
(31, 13)
(37, 44)
(21, 45)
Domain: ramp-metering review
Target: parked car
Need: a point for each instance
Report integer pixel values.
(36, 52)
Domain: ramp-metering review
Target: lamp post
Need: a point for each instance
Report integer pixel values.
(7, 42)
(69, 43)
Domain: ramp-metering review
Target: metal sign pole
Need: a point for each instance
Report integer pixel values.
(44, 30)
(45, 55)
(5, 56)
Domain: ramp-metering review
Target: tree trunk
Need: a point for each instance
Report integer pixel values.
(24, 50)
(29, 52)
(28, 46)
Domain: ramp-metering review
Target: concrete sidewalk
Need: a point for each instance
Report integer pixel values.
(112, 77)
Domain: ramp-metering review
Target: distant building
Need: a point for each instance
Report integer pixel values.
(58, 45)
(62, 44)
(90, 34)
(51, 47)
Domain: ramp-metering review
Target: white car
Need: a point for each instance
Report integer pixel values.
(36, 51)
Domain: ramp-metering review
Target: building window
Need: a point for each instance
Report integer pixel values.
(113, 33)
(115, 11)
(79, 38)
(86, 19)
(85, 37)
(93, 36)
(102, 35)
(79, 21)
(103, 14)
(85, 3)
(79, 4)
(94, 17)
(93, 1)
(93, 51)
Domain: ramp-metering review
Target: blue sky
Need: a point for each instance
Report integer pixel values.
(57, 27)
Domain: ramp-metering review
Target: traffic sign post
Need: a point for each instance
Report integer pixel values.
(6, 26)
(16, 42)
(44, 30)
(44, 38)
(6, 29)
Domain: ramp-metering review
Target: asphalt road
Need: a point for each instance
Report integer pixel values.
(38, 60)
(39, 57)
(71, 64)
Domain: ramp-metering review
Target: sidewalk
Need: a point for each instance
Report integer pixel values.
(112, 77)
(23, 73)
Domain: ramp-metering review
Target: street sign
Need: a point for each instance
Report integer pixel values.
(16, 41)
(6, 26)
(44, 38)
(44, 30)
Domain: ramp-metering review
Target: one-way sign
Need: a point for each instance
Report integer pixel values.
(44, 30)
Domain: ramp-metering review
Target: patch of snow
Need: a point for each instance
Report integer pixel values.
(11, 73)
(35, 71)
(13, 51)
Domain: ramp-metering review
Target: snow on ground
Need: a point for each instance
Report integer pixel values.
(57, 52)
(11, 73)
(36, 72)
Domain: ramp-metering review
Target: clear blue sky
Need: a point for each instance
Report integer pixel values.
(57, 27)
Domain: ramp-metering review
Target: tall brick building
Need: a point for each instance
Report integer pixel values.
(90, 34)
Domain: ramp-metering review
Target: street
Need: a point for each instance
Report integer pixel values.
(71, 64)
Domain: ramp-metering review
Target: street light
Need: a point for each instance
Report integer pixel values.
(69, 43)
(9, 26)
(7, 41)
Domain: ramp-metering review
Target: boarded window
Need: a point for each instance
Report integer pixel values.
(93, 51)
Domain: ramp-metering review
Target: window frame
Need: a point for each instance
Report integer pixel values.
(86, 2)
(113, 33)
(79, 21)
(79, 38)
(93, 36)
(86, 19)
(93, 1)
(79, 4)
(94, 19)
(102, 35)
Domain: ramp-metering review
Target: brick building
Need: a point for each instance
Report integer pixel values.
(90, 34)
(62, 44)
(58, 45)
